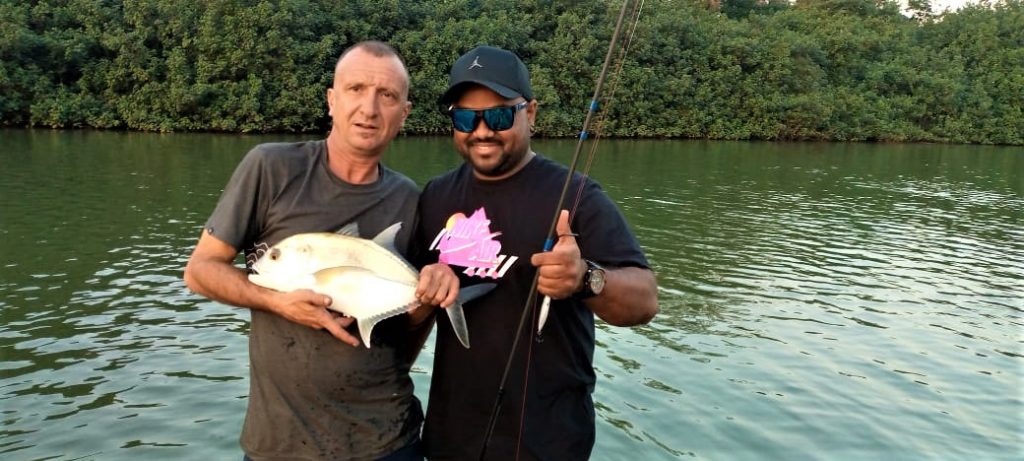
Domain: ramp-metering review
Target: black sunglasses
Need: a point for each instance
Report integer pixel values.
(498, 118)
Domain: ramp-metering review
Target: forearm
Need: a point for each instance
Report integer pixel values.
(437, 286)
(423, 313)
(420, 327)
(630, 297)
(227, 284)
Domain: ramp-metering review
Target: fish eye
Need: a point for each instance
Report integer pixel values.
(274, 254)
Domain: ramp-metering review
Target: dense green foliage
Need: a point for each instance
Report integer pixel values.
(813, 69)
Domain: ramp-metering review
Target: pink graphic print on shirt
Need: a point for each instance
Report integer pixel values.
(469, 242)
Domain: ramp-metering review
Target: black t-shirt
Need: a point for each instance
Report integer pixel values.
(487, 231)
(312, 396)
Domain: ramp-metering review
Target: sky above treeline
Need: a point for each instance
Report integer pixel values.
(939, 5)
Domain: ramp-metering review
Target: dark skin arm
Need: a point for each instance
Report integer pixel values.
(630, 295)
(210, 272)
(438, 286)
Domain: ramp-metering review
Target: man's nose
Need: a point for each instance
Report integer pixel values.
(481, 130)
(369, 103)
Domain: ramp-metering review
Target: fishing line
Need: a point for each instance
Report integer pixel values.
(599, 126)
(545, 306)
(549, 242)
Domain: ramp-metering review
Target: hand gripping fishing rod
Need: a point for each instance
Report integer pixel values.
(550, 240)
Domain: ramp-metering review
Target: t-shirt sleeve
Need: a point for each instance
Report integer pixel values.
(604, 235)
(236, 218)
(419, 251)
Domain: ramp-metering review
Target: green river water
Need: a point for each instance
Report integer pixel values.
(818, 301)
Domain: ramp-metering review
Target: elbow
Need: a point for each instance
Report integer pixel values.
(190, 278)
(189, 281)
(647, 313)
(639, 314)
(636, 304)
(647, 308)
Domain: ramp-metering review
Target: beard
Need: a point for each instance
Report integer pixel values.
(506, 162)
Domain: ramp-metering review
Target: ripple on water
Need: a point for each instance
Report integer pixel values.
(854, 320)
(126, 339)
(818, 305)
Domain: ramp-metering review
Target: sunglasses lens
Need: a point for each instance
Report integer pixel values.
(499, 118)
(464, 120)
(496, 118)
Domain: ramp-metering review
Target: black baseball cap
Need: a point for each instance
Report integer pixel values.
(500, 70)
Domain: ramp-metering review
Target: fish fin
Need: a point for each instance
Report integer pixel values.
(351, 229)
(467, 294)
(456, 315)
(366, 330)
(458, 319)
(366, 324)
(386, 237)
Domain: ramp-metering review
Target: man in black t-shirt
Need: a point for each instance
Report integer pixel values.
(315, 392)
(489, 219)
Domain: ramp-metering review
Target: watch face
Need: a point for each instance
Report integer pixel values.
(596, 280)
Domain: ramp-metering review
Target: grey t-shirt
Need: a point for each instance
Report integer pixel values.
(311, 396)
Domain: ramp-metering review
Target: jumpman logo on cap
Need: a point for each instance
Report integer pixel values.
(476, 63)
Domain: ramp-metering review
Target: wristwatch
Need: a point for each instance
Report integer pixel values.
(593, 281)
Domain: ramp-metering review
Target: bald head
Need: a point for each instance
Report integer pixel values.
(379, 50)
(368, 102)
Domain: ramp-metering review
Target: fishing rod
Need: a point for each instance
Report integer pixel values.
(550, 241)
(545, 306)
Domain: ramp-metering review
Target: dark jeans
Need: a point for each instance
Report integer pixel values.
(411, 452)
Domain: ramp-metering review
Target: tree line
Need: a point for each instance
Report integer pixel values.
(848, 70)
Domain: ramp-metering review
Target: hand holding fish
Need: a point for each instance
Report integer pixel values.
(364, 279)
(438, 285)
(309, 308)
(561, 269)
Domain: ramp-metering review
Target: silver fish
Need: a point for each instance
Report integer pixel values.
(366, 279)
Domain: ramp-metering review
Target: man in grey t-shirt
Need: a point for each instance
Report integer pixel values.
(315, 393)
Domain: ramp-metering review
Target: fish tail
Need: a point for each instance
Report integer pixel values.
(458, 317)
